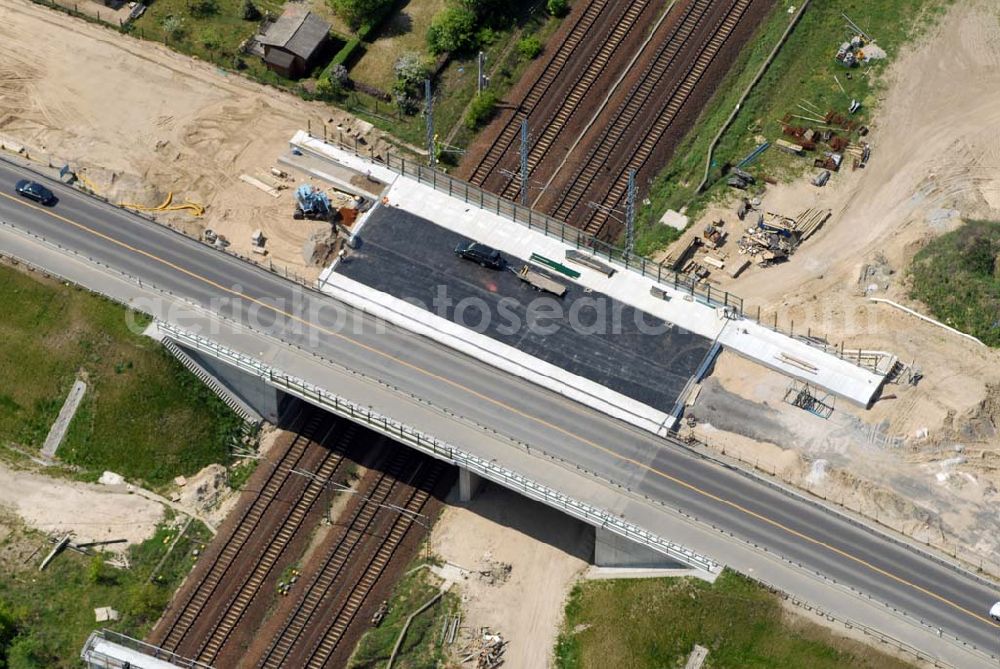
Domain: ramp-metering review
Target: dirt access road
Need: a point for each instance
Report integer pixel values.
(924, 458)
(143, 121)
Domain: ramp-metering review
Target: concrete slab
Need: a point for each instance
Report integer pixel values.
(58, 430)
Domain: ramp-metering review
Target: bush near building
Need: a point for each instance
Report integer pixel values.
(358, 13)
(453, 30)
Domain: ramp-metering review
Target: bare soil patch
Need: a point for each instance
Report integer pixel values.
(90, 512)
(140, 121)
(922, 458)
(546, 552)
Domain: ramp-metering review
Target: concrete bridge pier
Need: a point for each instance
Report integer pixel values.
(468, 484)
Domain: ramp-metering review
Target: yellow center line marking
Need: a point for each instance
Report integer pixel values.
(498, 403)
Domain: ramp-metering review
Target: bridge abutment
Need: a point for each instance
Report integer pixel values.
(266, 400)
(614, 550)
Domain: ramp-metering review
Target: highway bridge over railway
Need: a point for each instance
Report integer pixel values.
(628, 482)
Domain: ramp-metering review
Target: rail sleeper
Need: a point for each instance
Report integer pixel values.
(580, 88)
(202, 593)
(275, 548)
(417, 498)
(539, 89)
(337, 558)
(677, 100)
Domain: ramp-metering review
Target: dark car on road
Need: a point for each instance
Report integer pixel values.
(486, 256)
(35, 191)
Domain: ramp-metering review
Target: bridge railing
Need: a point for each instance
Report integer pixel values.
(486, 468)
(97, 660)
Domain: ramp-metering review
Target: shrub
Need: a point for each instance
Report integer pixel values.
(28, 652)
(481, 110)
(360, 12)
(483, 8)
(338, 74)
(486, 36)
(203, 8)
(8, 629)
(957, 276)
(146, 601)
(210, 38)
(173, 27)
(558, 8)
(411, 70)
(347, 51)
(250, 11)
(529, 48)
(333, 85)
(452, 31)
(100, 573)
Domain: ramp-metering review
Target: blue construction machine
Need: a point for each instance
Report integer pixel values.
(313, 204)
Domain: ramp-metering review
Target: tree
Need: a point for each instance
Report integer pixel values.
(360, 12)
(250, 11)
(529, 48)
(558, 8)
(411, 71)
(453, 31)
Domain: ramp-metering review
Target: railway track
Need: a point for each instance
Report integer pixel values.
(634, 107)
(539, 89)
(325, 593)
(200, 596)
(581, 87)
(324, 649)
(276, 544)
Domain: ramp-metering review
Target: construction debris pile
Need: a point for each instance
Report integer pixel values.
(493, 572)
(285, 585)
(834, 132)
(486, 650)
(859, 47)
(775, 237)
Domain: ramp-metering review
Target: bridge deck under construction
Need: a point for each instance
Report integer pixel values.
(585, 333)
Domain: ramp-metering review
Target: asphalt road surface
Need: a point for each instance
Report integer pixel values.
(820, 540)
(413, 259)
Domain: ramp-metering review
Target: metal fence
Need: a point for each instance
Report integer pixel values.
(549, 226)
(486, 468)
